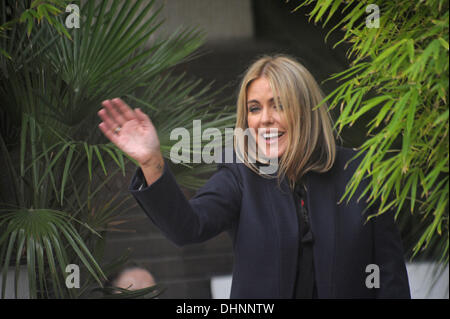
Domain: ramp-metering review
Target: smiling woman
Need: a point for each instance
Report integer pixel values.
(266, 118)
(305, 134)
(292, 237)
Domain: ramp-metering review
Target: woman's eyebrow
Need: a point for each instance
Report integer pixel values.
(253, 101)
(272, 100)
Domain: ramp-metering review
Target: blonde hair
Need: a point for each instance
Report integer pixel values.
(311, 145)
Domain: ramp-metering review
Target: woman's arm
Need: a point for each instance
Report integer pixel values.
(215, 207)
(212, 210)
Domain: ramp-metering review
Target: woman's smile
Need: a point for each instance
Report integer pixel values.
(271, 136)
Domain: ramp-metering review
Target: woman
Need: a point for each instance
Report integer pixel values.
(292, 239)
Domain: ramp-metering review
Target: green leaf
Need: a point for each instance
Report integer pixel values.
(99, 156)
(443, 43)
(407, 68)
(66, 172)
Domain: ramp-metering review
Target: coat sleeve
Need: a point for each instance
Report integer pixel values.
(389, 257)
(215, 207)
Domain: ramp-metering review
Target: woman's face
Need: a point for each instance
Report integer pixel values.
(262, 115)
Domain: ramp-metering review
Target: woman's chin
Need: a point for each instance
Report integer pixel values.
(270, 152)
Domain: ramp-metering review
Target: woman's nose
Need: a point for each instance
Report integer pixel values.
(267, 116)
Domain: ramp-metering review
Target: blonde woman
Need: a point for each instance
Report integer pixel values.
(292, 239)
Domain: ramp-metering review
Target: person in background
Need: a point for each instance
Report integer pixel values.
(132, 277)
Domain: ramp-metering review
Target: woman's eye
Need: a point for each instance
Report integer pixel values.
(252, 109)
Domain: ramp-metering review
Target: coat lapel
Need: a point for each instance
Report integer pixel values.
(285, 222)
(322, 208)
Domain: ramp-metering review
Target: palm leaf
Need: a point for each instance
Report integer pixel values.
(39, 231)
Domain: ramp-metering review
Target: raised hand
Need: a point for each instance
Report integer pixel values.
(133, 132)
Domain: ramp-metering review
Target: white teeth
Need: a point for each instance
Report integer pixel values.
(272, 135)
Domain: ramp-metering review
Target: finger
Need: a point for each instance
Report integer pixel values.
(124, 109)
(143, 118)
(108, 133)
(107, 120)
(116, 116)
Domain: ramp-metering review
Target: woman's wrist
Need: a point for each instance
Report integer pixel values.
(153, 168)
(151, 159)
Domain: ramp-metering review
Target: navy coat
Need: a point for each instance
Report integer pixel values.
(261, 218)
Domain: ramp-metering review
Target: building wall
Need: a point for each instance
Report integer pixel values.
(221, 20)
